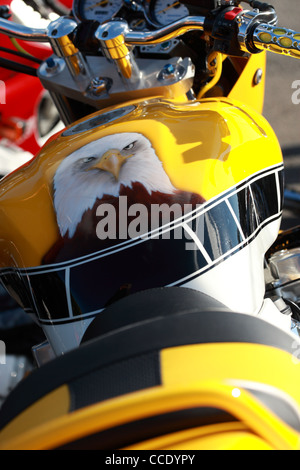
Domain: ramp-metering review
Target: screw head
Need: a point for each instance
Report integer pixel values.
(169, 69)
(258, 77)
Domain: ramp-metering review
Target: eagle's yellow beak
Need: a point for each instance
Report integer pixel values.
(112, 161)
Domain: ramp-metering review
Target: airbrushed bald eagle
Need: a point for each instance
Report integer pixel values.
(123, 164)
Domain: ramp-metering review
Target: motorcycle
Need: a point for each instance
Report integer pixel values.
(144, 238)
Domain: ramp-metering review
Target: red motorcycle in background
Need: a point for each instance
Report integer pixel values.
(27, 114)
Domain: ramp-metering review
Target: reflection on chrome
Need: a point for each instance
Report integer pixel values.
(295, 327)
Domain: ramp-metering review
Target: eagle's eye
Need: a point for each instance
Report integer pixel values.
(88, 159)
(130, 146)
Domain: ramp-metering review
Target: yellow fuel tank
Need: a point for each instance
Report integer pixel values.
(143, 195)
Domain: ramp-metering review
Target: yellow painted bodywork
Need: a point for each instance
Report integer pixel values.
(205, 147)
(193, 376)
(246, 89)
(53, 406)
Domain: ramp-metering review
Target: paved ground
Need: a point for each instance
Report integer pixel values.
(283, 115)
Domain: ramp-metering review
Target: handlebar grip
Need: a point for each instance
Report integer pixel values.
(276, 39)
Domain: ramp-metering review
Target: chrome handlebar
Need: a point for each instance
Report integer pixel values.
(166, 33)
(19, 31)
(62, 28)
(253, 34)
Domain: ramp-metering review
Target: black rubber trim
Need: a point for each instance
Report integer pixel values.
(149, 428)
(126, 376)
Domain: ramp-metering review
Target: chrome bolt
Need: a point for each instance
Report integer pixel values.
(258, 77)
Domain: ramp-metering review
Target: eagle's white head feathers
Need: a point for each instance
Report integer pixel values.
(100, 168)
